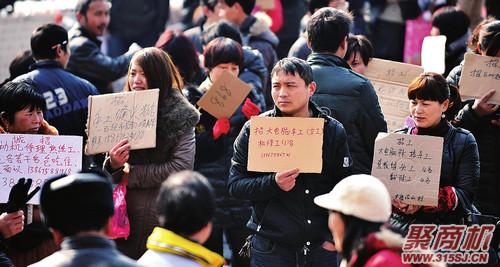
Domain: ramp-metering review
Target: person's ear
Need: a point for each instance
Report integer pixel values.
(58, 236)
(80, 18)
(311, 88)
(4, 121)
(444, 106)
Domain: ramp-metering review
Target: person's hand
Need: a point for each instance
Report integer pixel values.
(481, 106)
(249, 108)
(405, 208)
(221, 127)
(11, 223)
(286, 179)
(328, 246)
(19, 196)
(119, 154)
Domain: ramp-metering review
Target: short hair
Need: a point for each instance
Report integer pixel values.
(159, 70)
(209, 3)
(222, 50)
(21, 64)
(327, 28)
(451, 22)
(359, 44)
(82, 6)
(246, 5)
(489, 38)
(16, 96)
(182, 52)
(77, 202)
(293, 66)
(45, 39)
(220, 28)
(186, 203)
(434, 87)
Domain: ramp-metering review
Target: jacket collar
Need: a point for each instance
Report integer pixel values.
(82, 242)
(316, 111)
(80, 31)
(327, 59)
(163, 240)
(42, 64)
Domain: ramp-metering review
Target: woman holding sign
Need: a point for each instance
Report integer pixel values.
(430, 103)
(146, 169)
(214, 147)
(21, 112)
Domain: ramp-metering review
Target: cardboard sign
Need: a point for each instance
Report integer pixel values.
(479, 75)
(265, 4)
(410, 166)
(433, 54)
(390, 80)
(225, 95)
(128, 115)
(38, 157)
(279, 144)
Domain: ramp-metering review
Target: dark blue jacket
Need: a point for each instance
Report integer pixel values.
(290, 218)
(66, 96)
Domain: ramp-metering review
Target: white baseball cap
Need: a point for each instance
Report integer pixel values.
(362, 196)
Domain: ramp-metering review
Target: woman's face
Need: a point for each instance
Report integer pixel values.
(337, 228)
(26, 121)
(356, 63)
(137, 79)
(427, 113)
(216, 72)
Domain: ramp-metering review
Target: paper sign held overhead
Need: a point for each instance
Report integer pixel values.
(38, 157)
(279, 144)
(479, 75)
(225, 95)
(410, 166)
(390, 80)
(433, 54)
(128, 115)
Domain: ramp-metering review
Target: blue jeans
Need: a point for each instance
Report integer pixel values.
(266, 253)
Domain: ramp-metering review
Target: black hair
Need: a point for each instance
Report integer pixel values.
(317, 4)
(246, 5)
(489, 38)
(183, 54)
(221, 28)
(186, 203)
(45, 39)
(451, 22)
(327, 29)
(355, 232)
(16, 96)
(19, 65)
(359, 44)
(82, 6)
(83, 203)
(222, 50)
(209, 3)
(293, 66)
(434, 87)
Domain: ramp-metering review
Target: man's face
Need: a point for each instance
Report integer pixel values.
(230, 13)
(291, 94)
(97, 17)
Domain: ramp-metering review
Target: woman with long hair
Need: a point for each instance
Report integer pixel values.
(146, 169)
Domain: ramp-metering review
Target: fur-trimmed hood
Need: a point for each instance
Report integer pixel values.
(45, 128)
(176, 116)
(258, 28)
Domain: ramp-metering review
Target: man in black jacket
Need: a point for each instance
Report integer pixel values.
(87, 60)
(289, 229)
(349, 96)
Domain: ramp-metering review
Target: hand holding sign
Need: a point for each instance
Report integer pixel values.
(286, 179)
(481, 106)
(119, 154)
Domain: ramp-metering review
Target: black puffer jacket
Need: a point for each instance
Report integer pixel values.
(254, 72)
(488, 141)
(459, 169)
(352, 101)
(290, 218)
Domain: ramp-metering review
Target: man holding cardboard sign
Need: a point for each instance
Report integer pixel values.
(288, 228)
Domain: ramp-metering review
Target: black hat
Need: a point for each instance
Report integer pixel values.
(77, 202)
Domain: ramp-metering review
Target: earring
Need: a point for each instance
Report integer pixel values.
(443, 116)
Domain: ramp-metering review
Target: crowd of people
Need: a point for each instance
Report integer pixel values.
(193, 194)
